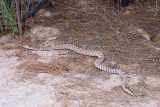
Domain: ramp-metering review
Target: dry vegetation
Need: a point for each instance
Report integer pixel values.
(130, 40)
(130, 37)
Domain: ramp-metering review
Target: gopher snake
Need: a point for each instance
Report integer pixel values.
(98, 62)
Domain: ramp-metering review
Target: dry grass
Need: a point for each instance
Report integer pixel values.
(94, 25)
(99, 26)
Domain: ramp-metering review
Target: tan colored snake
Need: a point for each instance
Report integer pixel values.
(98, 62)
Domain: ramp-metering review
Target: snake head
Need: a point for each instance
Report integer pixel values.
(26, 46)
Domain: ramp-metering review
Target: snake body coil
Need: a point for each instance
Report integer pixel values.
(98, 62)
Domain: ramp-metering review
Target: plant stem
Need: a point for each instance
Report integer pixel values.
(1, 27)
(18, 17)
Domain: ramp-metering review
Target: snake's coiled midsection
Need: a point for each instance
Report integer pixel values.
(98, 63)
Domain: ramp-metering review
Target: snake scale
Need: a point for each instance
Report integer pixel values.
(98, 62)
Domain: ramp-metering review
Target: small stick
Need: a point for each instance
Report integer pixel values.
(18, 17)
(1, 27)
(156, 8)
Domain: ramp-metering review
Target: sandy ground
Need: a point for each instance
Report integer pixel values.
(63, 78)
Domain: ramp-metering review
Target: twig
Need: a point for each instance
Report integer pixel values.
(156, 8)
(1, 27)
(35, 9)
(18, 17)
